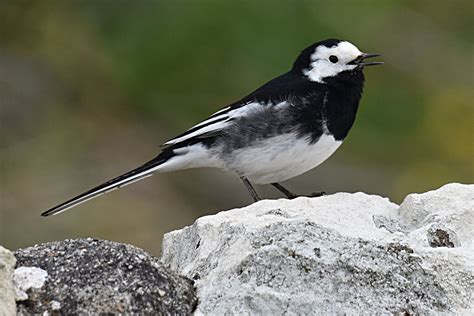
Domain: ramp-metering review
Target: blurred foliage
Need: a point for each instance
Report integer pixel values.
(90, 89)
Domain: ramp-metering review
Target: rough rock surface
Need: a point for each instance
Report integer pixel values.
(25, 278)
(90, 276)
(338, 254)
(7, 291)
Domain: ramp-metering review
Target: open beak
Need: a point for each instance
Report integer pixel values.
(359, 61)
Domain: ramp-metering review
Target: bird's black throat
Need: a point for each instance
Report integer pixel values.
(344, 92)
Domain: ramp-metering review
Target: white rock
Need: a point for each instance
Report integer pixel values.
(338, 254)
(7, 291)
(55, 305)
(25, 278)
(451, 207)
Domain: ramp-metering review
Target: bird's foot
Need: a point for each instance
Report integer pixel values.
(314, 194)
(317, 194)
(290, 195)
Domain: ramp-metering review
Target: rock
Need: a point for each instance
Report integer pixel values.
(337, 254)
(7, 291)
(25, 278)
(90, 276)
(444, 216)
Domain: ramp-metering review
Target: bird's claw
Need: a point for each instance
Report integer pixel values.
(314, 194)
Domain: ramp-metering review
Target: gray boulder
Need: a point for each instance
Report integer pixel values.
(90, 276)
(337, 254)
(7, 291)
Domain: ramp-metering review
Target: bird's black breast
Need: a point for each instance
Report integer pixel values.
(342, 102)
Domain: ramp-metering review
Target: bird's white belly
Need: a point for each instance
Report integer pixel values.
(281, 157)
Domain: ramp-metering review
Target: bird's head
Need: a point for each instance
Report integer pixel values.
(330, 58)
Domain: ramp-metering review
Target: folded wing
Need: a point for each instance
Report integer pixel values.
(217, 122)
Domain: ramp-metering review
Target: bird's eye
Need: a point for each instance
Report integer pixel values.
(333, 59)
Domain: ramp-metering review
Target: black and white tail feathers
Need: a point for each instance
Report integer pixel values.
(144, 171)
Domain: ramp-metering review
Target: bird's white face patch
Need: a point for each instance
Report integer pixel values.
(321, 65)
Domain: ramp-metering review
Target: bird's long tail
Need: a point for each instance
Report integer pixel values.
(145, 170)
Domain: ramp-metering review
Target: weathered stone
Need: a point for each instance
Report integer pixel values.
(338, 254)
(25, 278)
(7, 291)
(90, 276)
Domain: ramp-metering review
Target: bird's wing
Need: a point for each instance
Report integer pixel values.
(217, 122)
(276, 92)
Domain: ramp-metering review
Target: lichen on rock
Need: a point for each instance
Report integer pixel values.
(25, 278)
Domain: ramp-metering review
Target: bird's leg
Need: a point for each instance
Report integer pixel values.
(284, 190)
(290, 194)
(249, 187)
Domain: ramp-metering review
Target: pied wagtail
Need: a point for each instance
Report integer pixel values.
(284, 128)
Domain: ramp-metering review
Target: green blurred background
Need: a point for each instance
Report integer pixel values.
(89, 90)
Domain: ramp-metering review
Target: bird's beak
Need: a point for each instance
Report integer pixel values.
(359, 61)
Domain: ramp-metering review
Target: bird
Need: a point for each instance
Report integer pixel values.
(283, 129)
